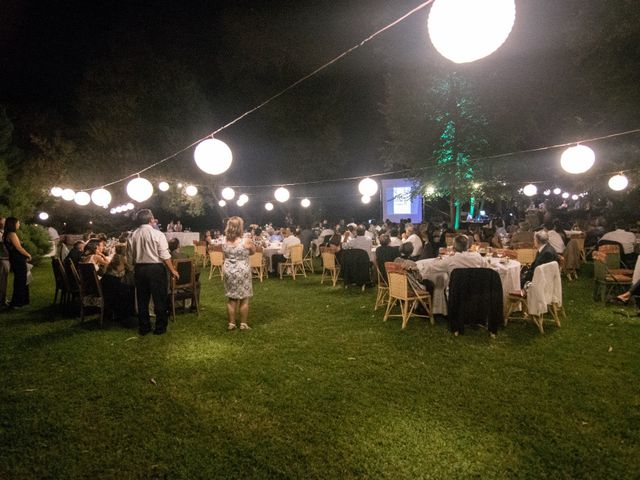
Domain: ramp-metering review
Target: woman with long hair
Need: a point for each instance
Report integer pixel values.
(93, 253)
(237, 273)
(18, 258)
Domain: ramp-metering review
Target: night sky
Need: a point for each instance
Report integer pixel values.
(562, 75)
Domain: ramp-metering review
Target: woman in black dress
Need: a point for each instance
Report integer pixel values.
(18, 258)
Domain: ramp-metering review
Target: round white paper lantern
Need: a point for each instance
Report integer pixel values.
(305, 202)
(228, 193)
(243, 198)
(82, 198)
(547, 193)
(191, 190)
(557, 191)
(368, 187)
(213, 156)
(577, 159)
(113, 211)
(101, 197)
(268, 206)
(282, 194)
(68, 194)
(163, 186)
(240, 203)
(130, 206)
(468, 30)
(565, 195)
(43, 216)
(530, 190)
(222, 203)
(618, 182)
(574, 197)
(179, 185)
(56, 191)
(139, 189)
(365, 199)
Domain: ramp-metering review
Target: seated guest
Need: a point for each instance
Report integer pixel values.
(426, 235)
(410, 236)
(555, 239)
(394, 240)
(92, 253)
(283, 254)
(174, 249)
(75, 254)
(546, 254)
(626, 239)
(258, 239)
(276, 236)
(326, 231)
(118, 292)
(462, 258)
(385, 253)
(411, 267)
(557, 227)
(306, 235)
(208, 237)
(524, 235)
(360, 241)
(493, 238)
(335, 243)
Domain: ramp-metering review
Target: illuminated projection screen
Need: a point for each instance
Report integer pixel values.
(397, 202)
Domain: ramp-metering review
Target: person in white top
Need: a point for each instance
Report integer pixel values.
(411, 236)
(626, 239)
(555, 240)
(360, 241)
(394, 240)
(148, 252)
(461, 259)
(283, 254)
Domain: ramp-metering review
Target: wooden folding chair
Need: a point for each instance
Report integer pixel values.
(329, 264)
(608, 281)
(185, 287)
(382, 296)
(216, 259)
(201, 253)
(90, 289)
(256, 262)
(401, 291)
(526, 256)
(307, 261)
(293, 263)
(62, 283)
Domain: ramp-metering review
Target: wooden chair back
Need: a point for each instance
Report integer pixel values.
(398, 285)
(526, 256)
(328, 260)
(295, 253)
(256, 260)
(187, 273)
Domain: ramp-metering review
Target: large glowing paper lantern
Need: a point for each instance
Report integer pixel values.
(68, 194)
(282, 194)
(268, 206)
(565, 195)
(574, 197)
(43, 216)
(82, 198)
(305, 202)
(56, 191)
(101, 197)
(139, 189)
(191, 190)
(368, 187)
(365, 199)
(213, 156)
(557, 191)
(243, 198)
(222, 203)
(163, 186)
(577, 159)
(240, 203)
(530, 190)
(468, 30)
(228, 193)
(618, 182)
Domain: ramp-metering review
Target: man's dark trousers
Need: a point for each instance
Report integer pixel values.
(151, 282)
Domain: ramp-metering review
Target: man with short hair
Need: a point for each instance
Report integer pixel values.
(288, 241)
(361, 242)
(626, 239)
(148, 252)
(394, 239)
(411, 237)
(546, 254)
(462, 258)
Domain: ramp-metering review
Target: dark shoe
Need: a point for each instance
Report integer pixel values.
(159, 332)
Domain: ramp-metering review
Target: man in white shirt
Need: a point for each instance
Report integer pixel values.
(555, 240)
(148, 252)
(394, 240)
(411, 236)
(461, 259)
(361, 241)
(626, 239)
(283, 254)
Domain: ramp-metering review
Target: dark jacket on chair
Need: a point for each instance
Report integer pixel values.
(475, 297)
(546, 255)
(354, 266)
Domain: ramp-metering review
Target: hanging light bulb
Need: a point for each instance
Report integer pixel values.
(139, 189)
(577, 159)
(82, 198)
(547, 192)
(130, 206)
(565, 195)
(618, 182)
(56, 192)
(365, 199)
(530, 190)
(101, 197)
(557, 191)
(574, 197)
(282, 194)
(213, 156)
(268, 206)
(191, 190)
(68, 194)
(468, 30)
(113, 211)
(43, 216)
(222, 203)
(305, 202)
(163, 186)
(368, 187)
(228, 193)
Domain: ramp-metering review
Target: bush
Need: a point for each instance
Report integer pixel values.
(35, 240)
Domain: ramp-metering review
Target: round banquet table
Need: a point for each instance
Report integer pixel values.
(508, 270)
(269, 252)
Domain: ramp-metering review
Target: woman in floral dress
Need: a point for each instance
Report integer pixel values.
(237, 272)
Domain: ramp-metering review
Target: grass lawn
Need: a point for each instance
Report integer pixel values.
(320, 388)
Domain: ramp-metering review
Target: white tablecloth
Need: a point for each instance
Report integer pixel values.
(269, 252)
(509, 275)
(185, 238)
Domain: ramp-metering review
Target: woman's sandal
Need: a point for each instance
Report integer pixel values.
(232, 326)
(244, 326)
